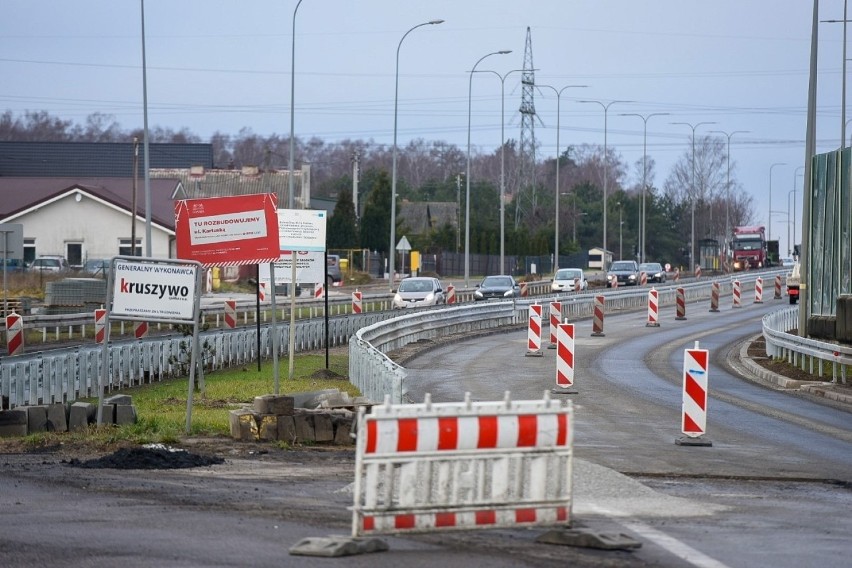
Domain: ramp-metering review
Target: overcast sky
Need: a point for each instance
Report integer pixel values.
(221, 65)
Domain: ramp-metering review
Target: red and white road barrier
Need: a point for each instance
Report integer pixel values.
(615, 282)
(525, 290)
(357, 302)
(140, 329)
(677, 275)
(758, 290)
(564, 358)
(598, 317)
(231, 314)
(643, 279)
(737, 294)
(777, 287)
(319, 291)
(694, 414)
(261, 291)
(714, 297)
(653, 308)
(578, 287)
(14, 334)
(680, 304)
(534, 331)
(697, 271)
(555, 318)
(451, 294)
(100, 326)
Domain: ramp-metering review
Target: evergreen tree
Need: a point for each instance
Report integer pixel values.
(375, 224)
(342, 229)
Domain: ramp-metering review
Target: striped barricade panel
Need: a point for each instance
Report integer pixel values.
(452, 466)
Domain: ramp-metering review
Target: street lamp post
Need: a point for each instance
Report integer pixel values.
(467, 175)
(392, 249)
(769, 219)
(556, 193)
(692, 233)
(728, 186)
(644, 175)
(605, 163)
(791, 244)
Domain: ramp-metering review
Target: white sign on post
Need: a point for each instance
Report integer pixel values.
(165, 291)
(301, 229)
(310, 267)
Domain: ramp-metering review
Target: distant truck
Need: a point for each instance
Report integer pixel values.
(748, 247)
(773, 253)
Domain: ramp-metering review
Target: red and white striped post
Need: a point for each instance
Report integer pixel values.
(680, 304)
(555, 318)
(261, 291)
(564, 359)
(578, 287)
(140, 329)
(694, 410)
(319, 291)
(643, 278)
(714, 297)
(697, 271)
(451, 294)
(653, 308)
(525, 291)
(677, 275)
(737, 294)
(231, 314)
(14, 334)
(758, 290)
(100, 326)
(357, 302)
(615, 282)
(777, 287)
(534, 332)
(598, 317)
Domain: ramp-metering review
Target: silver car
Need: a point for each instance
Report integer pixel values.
(418, 291)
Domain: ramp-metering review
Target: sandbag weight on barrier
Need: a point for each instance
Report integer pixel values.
(524, 290)
(598, 317)
(100, 326)
(140, 329)
(555, 318)
(714, 297)
(564, 359)
(534, 332)
(231, 314)
(777, 287)
(737, 294)
(758, 290)
(14, 334)
(697, 271)
(680, 304)
(451, 294)
(319, 291)
(357, 302)
(694, 410)
(653, 308)
(643, 278)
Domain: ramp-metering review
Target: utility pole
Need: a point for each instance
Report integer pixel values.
(356, 175)
(133, 205)
(458, 212)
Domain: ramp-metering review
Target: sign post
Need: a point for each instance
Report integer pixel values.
(402, 246)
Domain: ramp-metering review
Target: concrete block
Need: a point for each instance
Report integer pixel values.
(274, 404)
(342, 430)
(286, 429)
(119, 399)
(267, 427)
(338, 400)
(13, 422)
(108, 416)
(314, 398)
(243, 426)
(57, 418)
(323, 428)
(125, 414)
(80, 415)
(36, 419)
(304, 428)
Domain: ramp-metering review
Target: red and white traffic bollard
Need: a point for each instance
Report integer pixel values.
(653, 308)
(578, 287)
(319, 291)
(677, 275)
(451, 294)
(140, 329)
(598, 317)
(524, 290)
(261, 291)
(534, 332)
(758, 290)
(14, 334)
(714, 297)
(564, 359)
(231, 314)
(680, 303)
(357, 302)
(777, 287)
(555, 318)
(737, 294)
(697, 271)
(100, 326)
(643, 279)
(694, 411)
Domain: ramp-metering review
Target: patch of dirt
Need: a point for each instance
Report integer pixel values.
(148, 457)
(328, 374)
(757, 352)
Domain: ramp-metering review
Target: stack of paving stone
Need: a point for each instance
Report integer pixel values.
(74, 295)
(59, 417)
(315, 417)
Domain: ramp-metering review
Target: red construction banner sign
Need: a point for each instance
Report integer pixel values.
(228, 231)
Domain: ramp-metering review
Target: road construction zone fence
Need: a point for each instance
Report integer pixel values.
(469, 465)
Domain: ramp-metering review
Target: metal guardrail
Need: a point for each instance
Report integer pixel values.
(808, 354)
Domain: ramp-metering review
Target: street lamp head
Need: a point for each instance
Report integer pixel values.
(433, 22)
(504, 52)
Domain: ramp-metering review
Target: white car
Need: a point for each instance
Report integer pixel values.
(565, 280)
(788, 262)
(418, 291)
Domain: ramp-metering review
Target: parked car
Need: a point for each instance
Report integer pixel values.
(417, 292)
(565, 280)
(48, 263)
(497, 288)
(13, 265)
(623, 273)
(332, 270)
(654, 271)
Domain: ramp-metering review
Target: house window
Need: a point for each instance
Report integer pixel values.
(29, 250)
(126, 249)
(74, 253)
